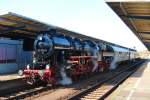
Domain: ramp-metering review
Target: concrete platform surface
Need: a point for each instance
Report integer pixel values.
(136, 87)
(9, 77)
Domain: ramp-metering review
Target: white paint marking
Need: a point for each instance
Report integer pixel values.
(133, 89)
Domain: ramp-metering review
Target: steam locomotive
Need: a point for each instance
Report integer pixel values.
(61, 59)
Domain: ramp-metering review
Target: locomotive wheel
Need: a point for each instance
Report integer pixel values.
(44, 83)
(31, 81)
(74, 74)
(54, 83)
(51, 81)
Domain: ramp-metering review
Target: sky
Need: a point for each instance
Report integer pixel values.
(89, 17)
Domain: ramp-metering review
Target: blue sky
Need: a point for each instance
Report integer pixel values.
(90, 17)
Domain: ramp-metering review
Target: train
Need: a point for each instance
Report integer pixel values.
(63, 59)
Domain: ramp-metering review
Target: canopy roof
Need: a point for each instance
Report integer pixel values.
(20, 27)
(14, 25)
(136, 16)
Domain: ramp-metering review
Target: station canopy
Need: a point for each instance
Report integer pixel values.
(136, 16)
(16, 26)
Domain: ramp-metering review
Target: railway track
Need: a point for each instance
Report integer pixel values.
(105, 87)
(27, 92)
(33, 92)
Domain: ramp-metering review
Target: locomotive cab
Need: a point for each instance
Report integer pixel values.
(108, 53)
(107, 57)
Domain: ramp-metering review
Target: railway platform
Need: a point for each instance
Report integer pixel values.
(10, 81)
(9, 77)
(136, 87)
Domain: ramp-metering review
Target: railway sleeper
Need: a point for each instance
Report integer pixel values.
(104, 88)
(91, 97)
(98, 92)
(87, 99)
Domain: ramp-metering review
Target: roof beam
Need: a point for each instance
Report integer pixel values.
(15, 35)
(38, 28)
(144, 32)
(44, 25)
(11, 29)
(137, 17)
(18, 28)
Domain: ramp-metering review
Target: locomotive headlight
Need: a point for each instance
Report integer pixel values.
(34, 61)
(28, 66)
(40, 38)
(20, 72)
(47, 66)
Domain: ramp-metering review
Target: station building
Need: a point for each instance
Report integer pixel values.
(12, 56)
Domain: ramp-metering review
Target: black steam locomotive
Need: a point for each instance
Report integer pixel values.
(59, 59)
